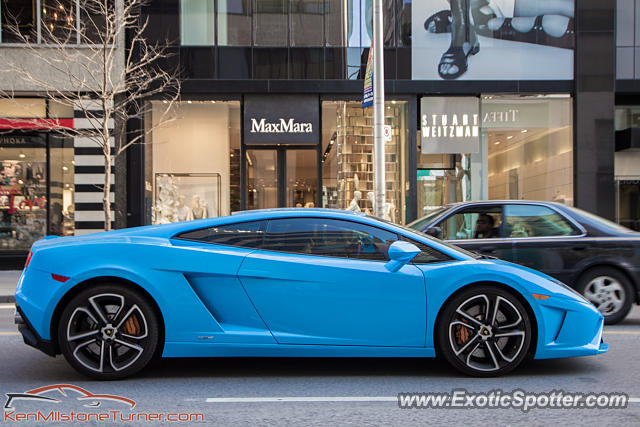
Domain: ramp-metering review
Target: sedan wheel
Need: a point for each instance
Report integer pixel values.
(609, 290)
(108, 332)
(484, 331)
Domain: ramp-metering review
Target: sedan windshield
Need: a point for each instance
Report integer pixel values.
(420, 223)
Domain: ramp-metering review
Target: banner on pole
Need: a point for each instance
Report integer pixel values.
(367, 99)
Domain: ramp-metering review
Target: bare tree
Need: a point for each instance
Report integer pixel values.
(108, 64)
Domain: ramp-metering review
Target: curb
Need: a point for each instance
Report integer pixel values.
(7, 298)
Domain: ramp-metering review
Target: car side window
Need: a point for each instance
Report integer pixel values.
(536, 221)
(427, 254)
(478, 222)
(243, 234)
(328, 237)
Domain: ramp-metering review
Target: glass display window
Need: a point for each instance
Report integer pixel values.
(347, 158)
(192, 161)
(529, 147)
(23, 190)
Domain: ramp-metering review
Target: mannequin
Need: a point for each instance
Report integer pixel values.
(198, 209)
(389, 212)
(353, 206)
(183, 213)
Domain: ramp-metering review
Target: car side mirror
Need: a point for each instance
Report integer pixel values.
(400, 254)
(434, 232)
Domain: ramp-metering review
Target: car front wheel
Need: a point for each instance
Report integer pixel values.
(609, 290)
(484, 331)
(108, 332)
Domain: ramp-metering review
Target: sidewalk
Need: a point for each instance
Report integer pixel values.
(8, 281)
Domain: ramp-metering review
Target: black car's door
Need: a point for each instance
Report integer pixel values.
(544, 239)
(478, 228)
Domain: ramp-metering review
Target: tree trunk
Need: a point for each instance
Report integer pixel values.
(106, 202)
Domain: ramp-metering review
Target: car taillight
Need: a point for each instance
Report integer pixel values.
(26, 264)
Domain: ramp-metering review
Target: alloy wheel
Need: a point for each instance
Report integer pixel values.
(107, 333)
(487, 333)
(606, 293)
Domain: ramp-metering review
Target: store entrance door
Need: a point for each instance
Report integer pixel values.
(281, 177)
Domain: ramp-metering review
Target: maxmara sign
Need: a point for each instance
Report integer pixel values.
(283, 126)
(450, 125)
(281, 119)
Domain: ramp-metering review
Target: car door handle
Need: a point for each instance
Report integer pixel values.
(579, 247)
(487, 248)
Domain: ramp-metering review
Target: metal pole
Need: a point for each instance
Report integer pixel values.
(378, 111)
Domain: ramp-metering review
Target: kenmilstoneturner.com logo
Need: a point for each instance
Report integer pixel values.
(85, 407)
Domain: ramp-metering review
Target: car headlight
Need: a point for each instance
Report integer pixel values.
(569, 288)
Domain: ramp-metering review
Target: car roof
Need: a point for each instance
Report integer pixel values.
(498, 202)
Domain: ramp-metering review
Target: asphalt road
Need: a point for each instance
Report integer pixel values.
(184, 385)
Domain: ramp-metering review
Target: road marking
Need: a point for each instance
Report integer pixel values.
(8, 333)
(7, 306)
(321, 399)
(302, 399)
(622, 332)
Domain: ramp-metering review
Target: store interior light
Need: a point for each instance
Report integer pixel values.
(510, 136)
(165, 101)
(213, 102)
(20, 182)
(523, 131)
(22, 155)
(189, 102)
(64, 168)
(497, 142)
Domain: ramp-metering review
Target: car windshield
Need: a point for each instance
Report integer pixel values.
(420, 223)
(602, 221)
(426, 236)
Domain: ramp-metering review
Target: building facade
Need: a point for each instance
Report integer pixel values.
(271, 107)
(49, 180)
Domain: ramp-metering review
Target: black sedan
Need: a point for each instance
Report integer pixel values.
(597, 257)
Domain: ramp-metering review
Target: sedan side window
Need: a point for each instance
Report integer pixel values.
(328, 237)
(479, 222)
(243, 234)
(536, 221)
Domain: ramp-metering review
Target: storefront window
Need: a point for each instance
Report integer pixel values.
(347, 157)
(61, 186)
(529, 145)
(23, 190)
(193, 161)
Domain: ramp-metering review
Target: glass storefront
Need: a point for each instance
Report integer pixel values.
(526, 152)
(529, 147)
(627, 168)
(347, 157)
(36, 175)
(192, 161)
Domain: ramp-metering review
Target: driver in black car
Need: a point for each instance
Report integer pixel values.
(485, 227)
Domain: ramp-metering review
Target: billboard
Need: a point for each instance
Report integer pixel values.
(492, 39)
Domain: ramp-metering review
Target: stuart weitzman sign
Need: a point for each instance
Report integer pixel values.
(281, 119)
(449, 125)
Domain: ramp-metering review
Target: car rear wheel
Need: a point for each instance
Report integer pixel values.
(484, 331)
(108, 332)
(609, 290)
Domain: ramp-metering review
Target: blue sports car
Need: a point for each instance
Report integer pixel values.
(291, 282)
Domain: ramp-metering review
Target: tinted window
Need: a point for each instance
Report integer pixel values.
(536, 221)
(427, 254)
(245, 234)
(478, 222)
(328, 237)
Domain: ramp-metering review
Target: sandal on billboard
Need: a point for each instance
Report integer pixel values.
(464, 42)
(439, 22)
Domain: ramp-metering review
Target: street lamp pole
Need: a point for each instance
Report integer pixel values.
(378, 111)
